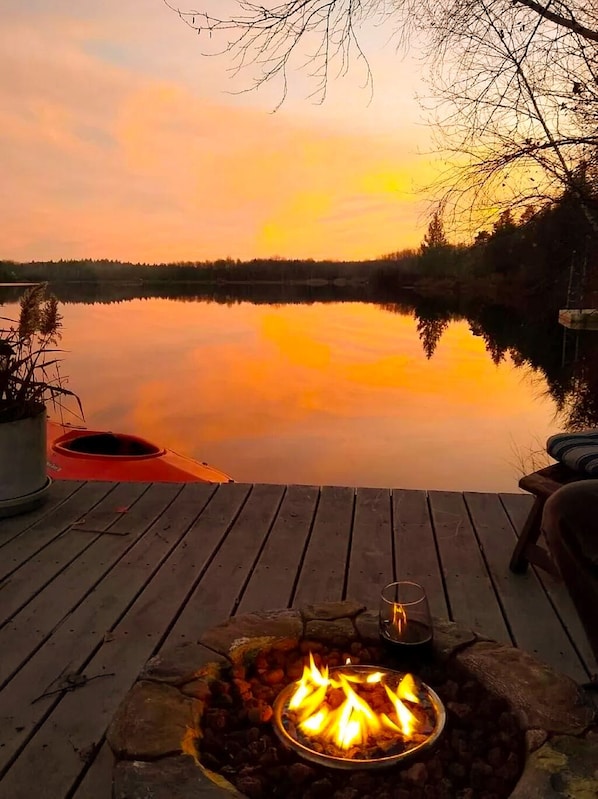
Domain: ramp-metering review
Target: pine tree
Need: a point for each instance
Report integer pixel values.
(435, 238)
(505, 222)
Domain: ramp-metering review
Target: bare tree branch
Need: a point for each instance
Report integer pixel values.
(560, 20)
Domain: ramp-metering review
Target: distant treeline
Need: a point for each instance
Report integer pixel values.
(532, 253)
(220, 271)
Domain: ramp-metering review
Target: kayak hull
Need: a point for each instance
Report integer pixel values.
(75, 453)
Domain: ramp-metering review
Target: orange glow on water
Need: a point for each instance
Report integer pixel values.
(324, 394)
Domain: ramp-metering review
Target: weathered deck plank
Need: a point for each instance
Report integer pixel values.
(13, 526)
(322, 575)
(73, 643)
(416, 557)
(533, 624)
(182, 559)
(217, 593)
(46, 529)
(471, 596)
(517, 507)
(97, 782)
(29, 628)
(370, 565)
(272, 580)
(132, 642)
(44, 567)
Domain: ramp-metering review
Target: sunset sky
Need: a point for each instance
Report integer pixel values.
(120, 140)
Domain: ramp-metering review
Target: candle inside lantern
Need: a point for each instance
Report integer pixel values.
(405, 616)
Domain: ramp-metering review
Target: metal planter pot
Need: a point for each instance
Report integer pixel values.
(23, 479)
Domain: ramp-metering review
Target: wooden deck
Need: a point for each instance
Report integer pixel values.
(105, 574)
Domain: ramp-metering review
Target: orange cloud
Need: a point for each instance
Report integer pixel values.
(106, 160)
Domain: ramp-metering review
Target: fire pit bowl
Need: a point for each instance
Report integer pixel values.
(399, 750)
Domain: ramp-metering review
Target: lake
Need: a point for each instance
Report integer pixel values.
(322, 393)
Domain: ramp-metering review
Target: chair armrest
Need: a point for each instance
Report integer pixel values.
(545, 482)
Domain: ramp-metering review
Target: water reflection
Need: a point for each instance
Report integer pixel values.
(420, 393)
(567, 360)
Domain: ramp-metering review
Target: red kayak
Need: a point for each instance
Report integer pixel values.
(75, 453)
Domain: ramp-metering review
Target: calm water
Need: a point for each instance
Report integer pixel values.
(337, 393)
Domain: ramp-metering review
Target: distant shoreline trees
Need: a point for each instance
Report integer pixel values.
(536, 248)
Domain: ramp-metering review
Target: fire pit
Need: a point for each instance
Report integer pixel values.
(357, 716)
(346, 738)
(215, 718)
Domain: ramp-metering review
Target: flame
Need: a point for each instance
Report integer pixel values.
(349, 719)
(408, 689)
(407, 721)
(399, 619)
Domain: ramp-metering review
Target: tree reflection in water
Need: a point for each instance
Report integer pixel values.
(566, 359)
(526, 330)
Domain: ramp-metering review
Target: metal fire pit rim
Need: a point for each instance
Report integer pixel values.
(355, 764)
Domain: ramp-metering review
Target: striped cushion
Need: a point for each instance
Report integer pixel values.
(578, 451)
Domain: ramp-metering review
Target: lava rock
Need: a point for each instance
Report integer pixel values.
(417, 774)
(321, 788)
(251, 787)
(300, 773)
(346, 793)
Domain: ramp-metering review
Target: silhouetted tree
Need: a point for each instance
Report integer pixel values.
(435, 236)
(505, 222)
(430, 332)
(432, 315)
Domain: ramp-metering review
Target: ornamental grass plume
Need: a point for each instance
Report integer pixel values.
(29, 363)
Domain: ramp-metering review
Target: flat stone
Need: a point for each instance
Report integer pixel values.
(534, 739)
(542, 698)
(151, 722)
(245, 650)
(338, 632)
(330, 611)
(564, 768)
(172, 778)
(449, 638)
(179, 664)
(262, 624)
(368, 626)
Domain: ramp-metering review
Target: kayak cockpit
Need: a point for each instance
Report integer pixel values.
(109, 445)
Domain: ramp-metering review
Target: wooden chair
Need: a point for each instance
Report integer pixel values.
(542, 484)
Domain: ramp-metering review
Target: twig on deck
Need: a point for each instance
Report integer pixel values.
(71, 681)
(98, 532)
